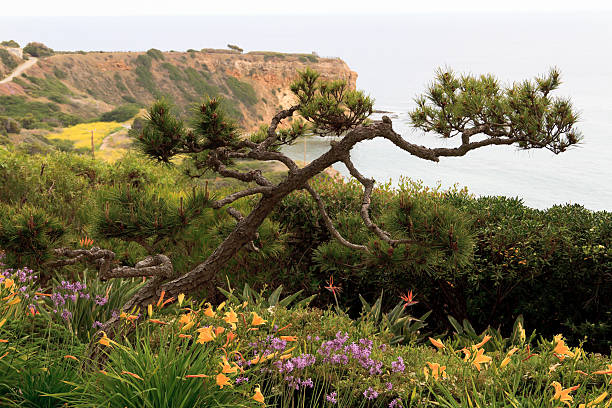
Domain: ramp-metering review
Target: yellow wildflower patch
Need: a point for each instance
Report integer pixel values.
(81, 134)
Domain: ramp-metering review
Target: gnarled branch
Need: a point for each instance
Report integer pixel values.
(368, 187)
(156, 265)
(328, 222)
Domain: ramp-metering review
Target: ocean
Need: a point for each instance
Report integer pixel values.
(396, 57)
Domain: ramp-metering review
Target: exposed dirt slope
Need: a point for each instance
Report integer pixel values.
(255, 85)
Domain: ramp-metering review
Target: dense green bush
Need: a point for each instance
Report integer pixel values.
(8, 60)
(34, 114)
(508, 259)
(120, 114)
(10, 43)
(156, 54)
(37, 49)
(9, 125)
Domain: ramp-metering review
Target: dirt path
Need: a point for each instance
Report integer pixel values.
(118, 139)
(21, 68)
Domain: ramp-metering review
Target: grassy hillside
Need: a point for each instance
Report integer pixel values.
(66, 89)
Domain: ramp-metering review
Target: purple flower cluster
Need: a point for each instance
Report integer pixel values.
(25, 278)
(396, 403)
(298, 363)
(398, 366)
(240, 380)
(370, 393)
(269, 345)
(336, 352)
(296, 382)
(331, 397)
(70, 292)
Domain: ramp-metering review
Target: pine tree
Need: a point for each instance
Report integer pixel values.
(477, 111)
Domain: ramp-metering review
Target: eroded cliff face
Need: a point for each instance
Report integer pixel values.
(255, 85)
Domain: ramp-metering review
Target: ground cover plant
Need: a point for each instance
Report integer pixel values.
(254, 350)
(80, 135)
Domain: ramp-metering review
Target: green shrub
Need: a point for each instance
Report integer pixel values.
(8, 59)
(37, 49)
(156, 54)
(120, 114)
(33, 114)
(10, 44)
(59, 73)
(9, 125)
(506, 259)
(242, 90)
(119, 82)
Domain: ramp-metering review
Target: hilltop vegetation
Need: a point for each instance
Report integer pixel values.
(66, 88)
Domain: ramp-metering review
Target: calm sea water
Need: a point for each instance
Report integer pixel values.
(395, 57)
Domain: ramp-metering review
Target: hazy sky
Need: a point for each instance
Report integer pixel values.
(254, 7)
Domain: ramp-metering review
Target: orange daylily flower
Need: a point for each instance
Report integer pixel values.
(604, 372)
(128, 317)
(283, 328)
(437, 371)
(105, 341)
(289, 338)
(483, 342)
(480, 358)
(205, 335)
(14, 301)
(219, 330)
(3, 341)
(8, 283)
(227, 368)
(167, 301)
(43, 294)
(197, 376)
(563, 394)
(229, 337)
(436, 343)
(209, 311)
(257, 320)
(608, 371)
(261, 359)
(258, 395)
(185, 336)
(222, 380)
(561, 350)
(506, 360)
(157, 321)
(185, 319)
(161, 298)
(71, 357)
(133, 375)
(231, 318)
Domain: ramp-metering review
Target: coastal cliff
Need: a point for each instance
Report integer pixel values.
(85, 85)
